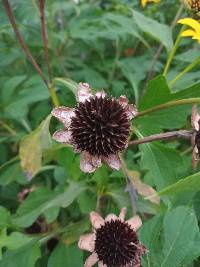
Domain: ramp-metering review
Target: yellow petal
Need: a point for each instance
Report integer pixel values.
(192, 23)
(188, 33)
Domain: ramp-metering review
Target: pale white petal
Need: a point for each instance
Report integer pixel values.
(63, 114)
(96, 220)
(113, 161)
(135, 222)
(83, 92)
(111, 217)
(63, 136)
(122, 214)
(100, 94)
(87, 242)
(100, 264)
(91, 260)
(89, 163)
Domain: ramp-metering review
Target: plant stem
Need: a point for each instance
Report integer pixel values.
(8, 128)
(173, 51)
(44, 36)
(161, 46)
(21, 40)
(53, 95)
(163, 136)
(130, 187)
(183, 72)
(170, 104)
(27, 52)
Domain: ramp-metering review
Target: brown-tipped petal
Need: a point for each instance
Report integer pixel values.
(195, 118)
(89, 163)
(63, 136)
(135, 222)
(131, 110)
(100, 94)
(87, 242)
(83, 92)
(91, 260)
(100, 264)
(111, 217)
(96, 220)
(63, 114)
(122, 214)
(113, 161)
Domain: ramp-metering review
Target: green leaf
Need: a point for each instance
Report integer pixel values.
(188, 184)
(158, 93)
(65, 256)
(41, 200)
(35, 142)
(5, 217)
(157, 30)
(25, 256)
(178, 246)
(180, 232)
(161, 162)
(70, 84)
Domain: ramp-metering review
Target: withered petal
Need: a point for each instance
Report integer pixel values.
(89, 163)
(131, 110)
(135, 222)
(100, 94)
(100, 264)
(63, 114)
(91, 260)
(84, 92)
(113, 161)
(63, 136)
(87, 242)
(96, 220)
(111, 217)
(195, 118)
(122, 214)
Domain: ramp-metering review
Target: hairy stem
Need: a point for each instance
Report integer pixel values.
(163, 136)
(170, 104)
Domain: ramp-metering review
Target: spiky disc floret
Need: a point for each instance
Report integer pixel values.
(116, 244)
(100, 126)
(195, 5)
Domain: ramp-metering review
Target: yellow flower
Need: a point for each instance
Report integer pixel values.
(194, 32)
(194, 5)
(144, 2)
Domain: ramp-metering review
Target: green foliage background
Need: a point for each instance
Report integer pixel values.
(110, 45)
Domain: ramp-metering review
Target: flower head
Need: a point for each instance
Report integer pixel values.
(194, 5)
(194, 32)
(195, 121)
(114, 241)
(144, 2)
(98, 127)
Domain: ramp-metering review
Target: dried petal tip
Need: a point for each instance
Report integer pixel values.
(83, 92)
(117, 244)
